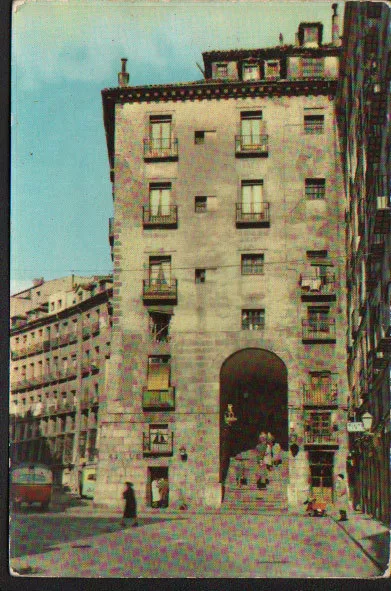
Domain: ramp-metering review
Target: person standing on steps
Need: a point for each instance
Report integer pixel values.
(130, 511)
(342, 497)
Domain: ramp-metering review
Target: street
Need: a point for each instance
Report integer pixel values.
(212, 545)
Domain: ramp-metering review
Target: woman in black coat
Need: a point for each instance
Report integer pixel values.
(130, 511)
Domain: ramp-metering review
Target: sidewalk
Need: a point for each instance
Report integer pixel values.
(371, 536)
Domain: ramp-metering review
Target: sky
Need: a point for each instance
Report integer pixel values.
(63, 54)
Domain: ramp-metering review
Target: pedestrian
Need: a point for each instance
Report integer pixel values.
(130, 511)
(269, 454)
(262, 478)
(261, 447)
(277, 460)
(155, 494)
(342, 497)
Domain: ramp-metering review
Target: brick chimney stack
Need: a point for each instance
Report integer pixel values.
(123, 76)
(335, 26)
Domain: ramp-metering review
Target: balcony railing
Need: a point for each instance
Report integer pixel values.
(158, 449)
(160, 290)
(321, 437)
(164, 217)
(251, 145)
(259, 216)
(317, 288)
(160, 149)
(318, 331)
(320, 395)
(159, 399)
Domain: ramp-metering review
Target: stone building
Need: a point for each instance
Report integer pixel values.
(229, 279)
(364, 116)
(60, 340)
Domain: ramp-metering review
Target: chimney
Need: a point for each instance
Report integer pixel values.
(123, 76)
(335, 26)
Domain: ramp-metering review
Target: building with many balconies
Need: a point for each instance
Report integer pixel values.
(229, 279)
(364, 116)
(60, 340)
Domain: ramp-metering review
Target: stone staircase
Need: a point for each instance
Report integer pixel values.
(248, 498)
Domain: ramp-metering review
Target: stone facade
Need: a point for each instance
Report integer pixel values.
(364, 109)
(60, 340)
(237, 275)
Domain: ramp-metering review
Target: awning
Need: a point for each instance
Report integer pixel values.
(169, 310)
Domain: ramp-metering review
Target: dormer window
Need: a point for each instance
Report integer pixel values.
(311, 36)
(221, 70)
(250, 72)
(272, 69)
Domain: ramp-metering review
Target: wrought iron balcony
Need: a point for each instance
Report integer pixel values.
(159, 399)
(250, 146)
(165, 217)
(245, 218)
(159, 291)
(318, 288)
(321, 437)
(320, 395)
(160, 149)
(318, 331)
(163, 448)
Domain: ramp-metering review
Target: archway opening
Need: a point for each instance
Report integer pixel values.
(255, 382)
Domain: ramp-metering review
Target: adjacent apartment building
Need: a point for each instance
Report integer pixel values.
(364, 116)
(60, 340)
(229, 278)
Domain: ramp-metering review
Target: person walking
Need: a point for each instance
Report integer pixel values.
(342, 497)
(277, 460)
(130, 511)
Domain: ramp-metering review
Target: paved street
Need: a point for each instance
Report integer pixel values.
(56, 544)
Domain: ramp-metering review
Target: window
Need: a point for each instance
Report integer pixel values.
(314, 124)
(315, 188)
(159, 199)
(160, 271)
(253, 319)
(221, 70)
(160, 133)
(200, 275)
(318, 319)
(312, 67)
(311, 35)
(252, 264)
(250, 72)
(159, 326)
(200, 204)
(251, 129)
(272, 69)
(199, 137)
(252, 196)
(158, 373)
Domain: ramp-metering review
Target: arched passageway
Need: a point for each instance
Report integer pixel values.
(255, 382)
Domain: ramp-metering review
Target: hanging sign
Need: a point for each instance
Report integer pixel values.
(356, 427)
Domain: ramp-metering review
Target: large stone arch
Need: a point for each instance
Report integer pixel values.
(255, 382)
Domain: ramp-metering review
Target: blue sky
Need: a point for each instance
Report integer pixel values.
(63, 55)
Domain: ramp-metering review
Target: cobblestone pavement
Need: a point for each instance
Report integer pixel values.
(232, 546)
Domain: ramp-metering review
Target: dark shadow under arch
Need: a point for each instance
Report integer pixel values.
(255, 382)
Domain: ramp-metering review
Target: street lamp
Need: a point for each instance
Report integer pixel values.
(367, 422)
